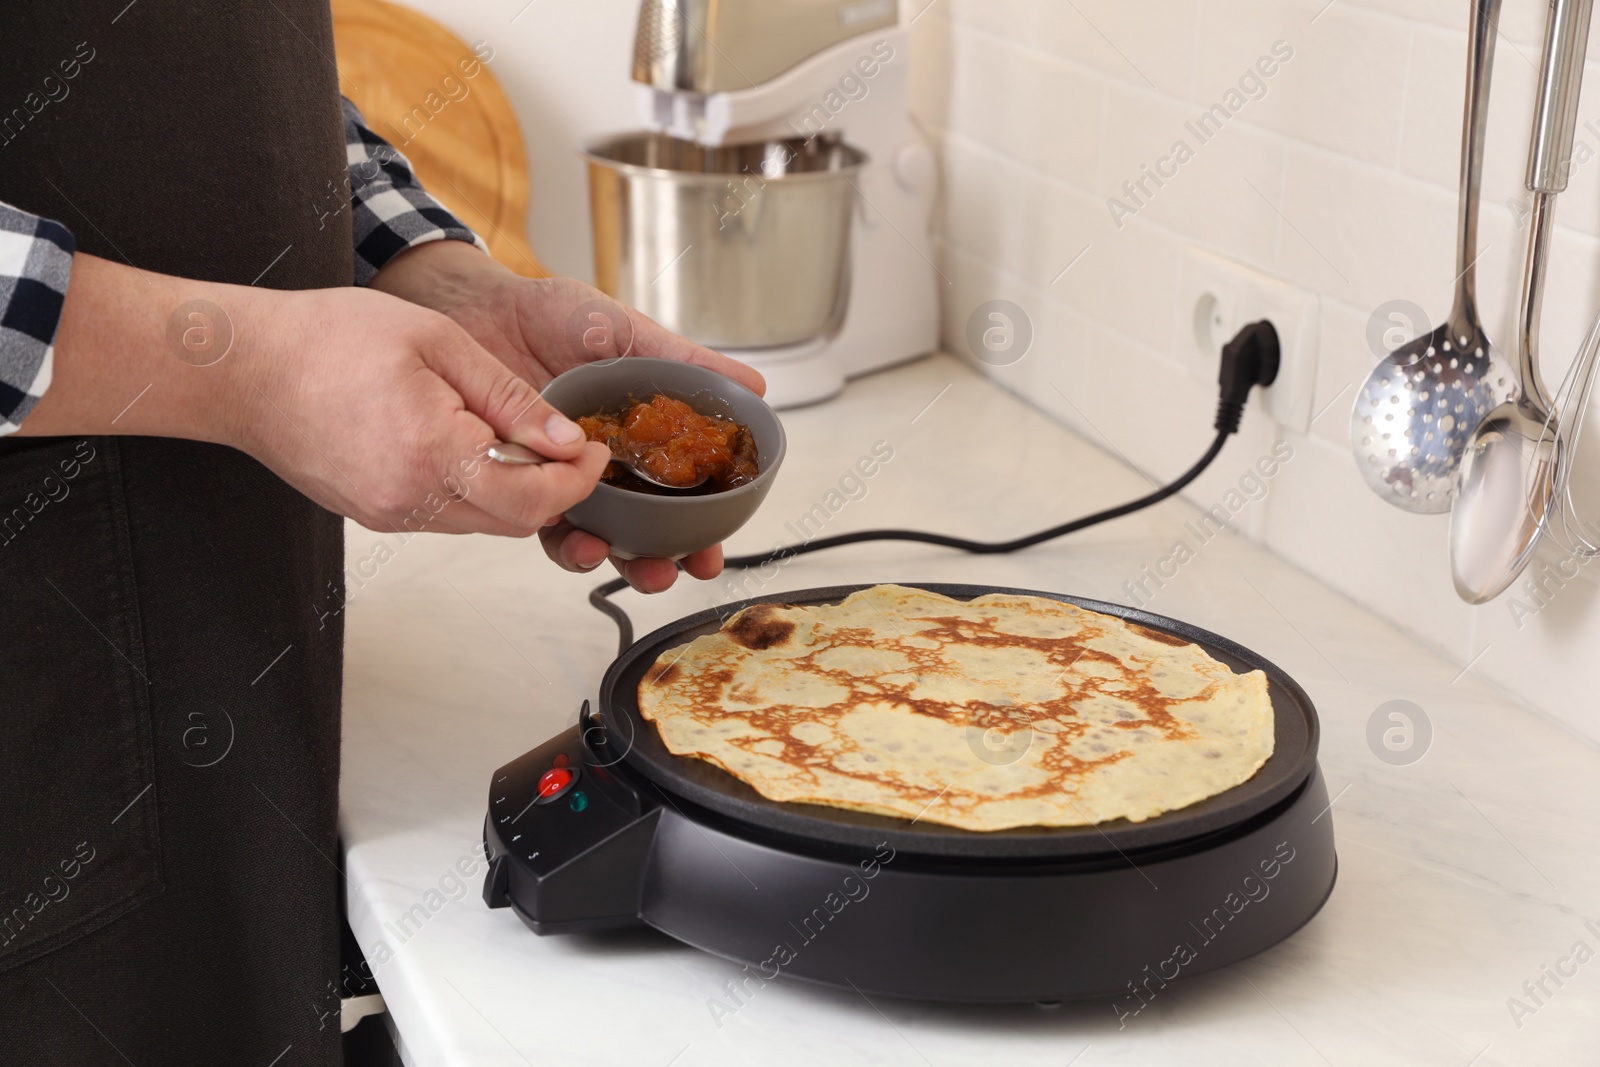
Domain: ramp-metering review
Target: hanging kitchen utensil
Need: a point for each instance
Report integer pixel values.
(1507, 479)
(1571, 408)
(1413, 413)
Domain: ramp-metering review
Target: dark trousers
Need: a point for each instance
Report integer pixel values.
(169, 754)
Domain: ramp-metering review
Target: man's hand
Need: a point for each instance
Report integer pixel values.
(539, 328)
(382, 411)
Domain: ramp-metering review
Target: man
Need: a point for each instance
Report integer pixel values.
(193, 392)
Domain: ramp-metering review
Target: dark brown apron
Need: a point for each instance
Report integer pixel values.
(169, 686)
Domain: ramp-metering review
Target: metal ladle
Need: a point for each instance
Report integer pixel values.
(1412, 416)
(1507, 481)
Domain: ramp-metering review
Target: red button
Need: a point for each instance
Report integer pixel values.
(560, 760)
(554, 781)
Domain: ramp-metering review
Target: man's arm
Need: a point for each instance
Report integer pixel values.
(54, 297)
(365, 403)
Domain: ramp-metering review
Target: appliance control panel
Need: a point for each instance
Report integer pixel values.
(566, 839)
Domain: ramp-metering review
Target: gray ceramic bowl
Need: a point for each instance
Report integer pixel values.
(671, 527)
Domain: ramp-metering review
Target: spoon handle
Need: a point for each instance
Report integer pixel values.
(1560, 79)
(510, 452)
(1480, 63)
(1555, 119)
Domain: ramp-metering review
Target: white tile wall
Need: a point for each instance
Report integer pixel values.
(1338, 174)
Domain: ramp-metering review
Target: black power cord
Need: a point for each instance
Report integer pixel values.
(1249, 359)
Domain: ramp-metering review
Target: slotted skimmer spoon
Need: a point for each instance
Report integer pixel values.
(1507, 482)
(1412, 416)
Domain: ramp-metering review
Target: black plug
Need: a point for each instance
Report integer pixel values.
(1251, 358)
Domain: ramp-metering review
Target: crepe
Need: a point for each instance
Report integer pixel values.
(986, 714)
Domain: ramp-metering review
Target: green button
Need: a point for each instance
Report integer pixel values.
(579, 801)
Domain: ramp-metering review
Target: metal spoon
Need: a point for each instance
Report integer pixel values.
(1508, 471)
(512, 453)
(632, 464)
(1411, 418)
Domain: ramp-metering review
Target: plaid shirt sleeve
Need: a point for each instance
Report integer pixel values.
(35, 263)
(390, 210)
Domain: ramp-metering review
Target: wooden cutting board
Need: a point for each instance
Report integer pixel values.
(430, 95)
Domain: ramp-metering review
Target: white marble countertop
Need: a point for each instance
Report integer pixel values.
(1463, 875)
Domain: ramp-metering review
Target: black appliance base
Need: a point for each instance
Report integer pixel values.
(611, 848)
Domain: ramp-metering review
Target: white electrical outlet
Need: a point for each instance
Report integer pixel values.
(1220, 297)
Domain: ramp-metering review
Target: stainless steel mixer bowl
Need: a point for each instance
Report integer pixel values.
(737, 246)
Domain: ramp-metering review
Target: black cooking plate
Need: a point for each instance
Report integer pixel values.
(1293, 756)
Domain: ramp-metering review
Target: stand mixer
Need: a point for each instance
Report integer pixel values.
(776, 206)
